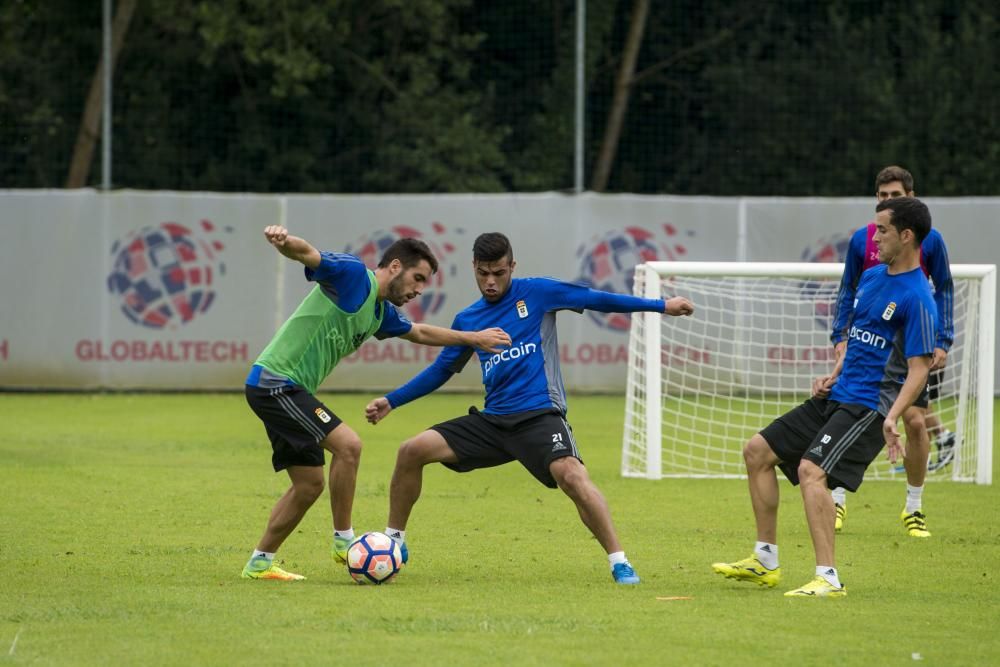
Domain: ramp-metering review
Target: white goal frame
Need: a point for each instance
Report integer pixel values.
(645, 390)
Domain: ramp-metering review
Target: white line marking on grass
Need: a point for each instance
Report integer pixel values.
(13, 644)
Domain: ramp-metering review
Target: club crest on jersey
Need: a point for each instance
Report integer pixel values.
(323, 415)
(522, 309)
(889, 310)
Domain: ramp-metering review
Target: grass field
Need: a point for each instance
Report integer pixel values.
(126, 520)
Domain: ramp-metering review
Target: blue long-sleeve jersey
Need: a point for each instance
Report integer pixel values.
(525, 376)
(862, 255)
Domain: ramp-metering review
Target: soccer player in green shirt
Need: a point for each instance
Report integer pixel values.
(349, 304)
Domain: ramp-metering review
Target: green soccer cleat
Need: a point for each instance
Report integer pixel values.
(915, 523)
(749, 569)
(838, 523)
(340, 545)
(261, 569)
(818, 588)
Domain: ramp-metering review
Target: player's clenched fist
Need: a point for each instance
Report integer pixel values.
(276, 235)
(377, 410)
(678, 306)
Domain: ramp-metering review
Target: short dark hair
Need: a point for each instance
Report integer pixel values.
(908, 213)
(409, 252)
(492, 247)
(894, 173)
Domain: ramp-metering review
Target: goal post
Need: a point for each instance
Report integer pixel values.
(698, 387)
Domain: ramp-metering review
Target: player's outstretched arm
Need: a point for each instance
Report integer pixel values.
(292, 247)
(377, 410)
(488, 340)
(423, 383)
(844, 305)
(678, 306)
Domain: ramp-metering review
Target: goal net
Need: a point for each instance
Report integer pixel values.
(700, 386)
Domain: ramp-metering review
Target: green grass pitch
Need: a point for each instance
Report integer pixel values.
(126, 520)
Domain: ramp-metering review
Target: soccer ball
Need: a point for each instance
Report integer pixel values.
(374, 558)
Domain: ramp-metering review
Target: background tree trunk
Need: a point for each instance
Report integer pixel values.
(90, 124)
(619, 104)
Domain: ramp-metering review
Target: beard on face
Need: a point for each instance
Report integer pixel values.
(397, 293)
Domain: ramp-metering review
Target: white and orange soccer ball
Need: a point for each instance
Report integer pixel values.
(374, 558)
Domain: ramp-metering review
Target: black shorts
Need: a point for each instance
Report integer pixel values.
(535, 438)
(931, 391)
(295, 421)
(934, 385)
(840, 438)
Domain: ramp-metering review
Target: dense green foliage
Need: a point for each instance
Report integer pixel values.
(743, 97)
(127, 518)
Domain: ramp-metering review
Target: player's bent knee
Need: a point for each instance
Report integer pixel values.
(314, 491)
(343, 442)
(810, 473)
(424, 448)
(913, 421)
(570, 474)
(309, 488)
(757, 453)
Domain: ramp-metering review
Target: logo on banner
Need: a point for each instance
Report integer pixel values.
(823, 293)
(607, 262)
(371, 247)
(163, 274)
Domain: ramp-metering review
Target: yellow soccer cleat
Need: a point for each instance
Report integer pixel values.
(915, 523)
(749, 569)
(818, 588)
(340, 546)
(271, 572)
(838, 523)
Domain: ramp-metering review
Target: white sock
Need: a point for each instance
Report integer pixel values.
(616, 557)
(344, 534)
(829, 573)
(266, 555)
(767, 554)
(913, 498)
(840, 496)
(395, 533)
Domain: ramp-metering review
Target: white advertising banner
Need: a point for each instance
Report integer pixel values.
(134, 290)
(164, 290)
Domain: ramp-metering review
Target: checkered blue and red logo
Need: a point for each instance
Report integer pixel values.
(164, 274)
(607, 262)
(371, 247)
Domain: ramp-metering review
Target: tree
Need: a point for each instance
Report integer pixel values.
(623, 82)
(90, 129)
(727, 97)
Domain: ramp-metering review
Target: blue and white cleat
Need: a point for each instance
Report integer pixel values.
(624, 574)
